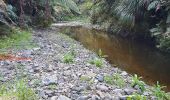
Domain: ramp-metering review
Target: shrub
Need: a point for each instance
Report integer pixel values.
(136, 97)
(16, 39)
(97, 62)
(116, 79)
(101, 55)
(159, 93)
(19, 90)
(136, 82)
(68, 58)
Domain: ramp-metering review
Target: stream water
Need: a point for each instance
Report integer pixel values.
(129, 55)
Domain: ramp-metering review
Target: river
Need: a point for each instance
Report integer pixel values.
(127, 54)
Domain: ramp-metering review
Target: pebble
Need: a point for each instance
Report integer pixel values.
(83, 98)
(47, 66)
(102, 88)
(62, 97)
(95, 97)
(100, 78)
(54, 98)
(129, 91)
(49, 81)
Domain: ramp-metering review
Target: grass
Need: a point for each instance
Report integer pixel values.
(68, 58)
(136, 97)
(115, 79)
(97, 62)
(18, 90)
(159, 93)
(85, 78)
(17, 38)
(137, 82)
(100, 54)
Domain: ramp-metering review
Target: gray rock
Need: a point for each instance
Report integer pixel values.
(138, 89)
(100, 78)
(36, 70)
(79, 88)
(108, 97)
(27, 53)
(62, 97)
(124, 73)
(49, 81)
(50, 68)
(50, 93)
(102, 88)
(118, 91)
(54, 98)
(95, 97)
(83, 98)
(101, 94)
(129, 91)
(35, 65)
(123, 97)
(43, 95)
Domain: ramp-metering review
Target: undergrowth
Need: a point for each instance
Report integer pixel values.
(17, 39)
(17, 90)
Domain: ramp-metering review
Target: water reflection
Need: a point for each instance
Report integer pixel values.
(129, 55)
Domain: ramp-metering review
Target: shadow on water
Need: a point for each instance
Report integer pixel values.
(134, 57)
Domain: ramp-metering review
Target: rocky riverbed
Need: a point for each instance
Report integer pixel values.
(54, 79)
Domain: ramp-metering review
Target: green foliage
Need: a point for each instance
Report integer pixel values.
(68, 4)
(164, 44)
(97, 62)
(23, 92)
(18, 90)
(52, 87)
(11, 13)
(69, 57)
(115, 79)
(136, 82)
(101, 55)
(159, 93)
(85, 78)
(16, 39)
(153, 5)
(136, 97)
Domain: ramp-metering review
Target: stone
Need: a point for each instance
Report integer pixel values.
(35, 65)
(78, 88)
(101, 94)
(62, 97)
(100, 78)
(83, 98)
(43, 95)
(54, 98)
(123, 97)
(128, 91)
(50, 93)
(124, 73)
(102, 88)
(49, 81)
(108, 97)
(67, 73)
(95, 97)
(50, 68)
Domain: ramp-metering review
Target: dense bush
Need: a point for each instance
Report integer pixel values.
(36, 12)
(134, 18)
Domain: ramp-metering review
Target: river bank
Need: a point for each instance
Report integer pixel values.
(61, 68)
